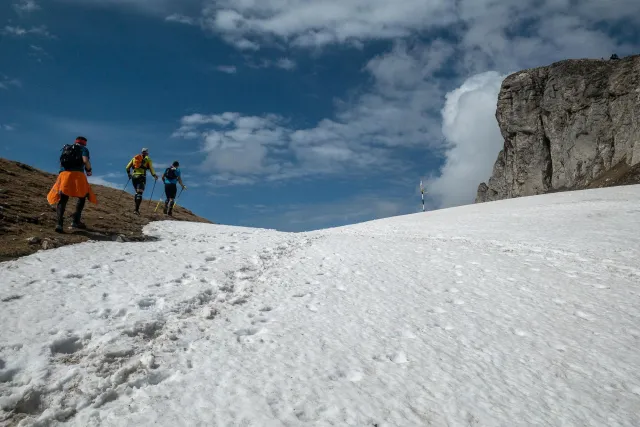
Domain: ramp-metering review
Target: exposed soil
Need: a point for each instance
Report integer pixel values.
(620, 174)
(25, 213)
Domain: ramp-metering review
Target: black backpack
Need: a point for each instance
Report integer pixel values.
(170, 173)
(71, 157)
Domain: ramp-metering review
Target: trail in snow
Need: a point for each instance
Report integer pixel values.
(521, 312)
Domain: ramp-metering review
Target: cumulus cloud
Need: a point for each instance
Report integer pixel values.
(303, 23)
(473, 139)
(180, 19)
(487, 28)
(283, 63)
(104, 180)
(26, 6)
(398, 110)
(6, 82)
(18, 31)
(229, 69)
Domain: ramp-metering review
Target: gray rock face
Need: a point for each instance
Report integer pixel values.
(564, 126)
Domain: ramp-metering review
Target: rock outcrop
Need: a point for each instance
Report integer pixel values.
(565, 126)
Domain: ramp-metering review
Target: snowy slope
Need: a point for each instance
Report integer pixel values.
(518, 312)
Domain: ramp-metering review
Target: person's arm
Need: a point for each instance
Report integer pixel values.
(180, 181)
(128, 168)
(153, 172)
(87, 165)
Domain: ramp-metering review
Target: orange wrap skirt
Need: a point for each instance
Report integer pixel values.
(73, 184)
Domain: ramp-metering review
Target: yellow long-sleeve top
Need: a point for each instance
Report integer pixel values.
(146, 164)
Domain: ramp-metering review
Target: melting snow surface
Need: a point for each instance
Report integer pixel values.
(518, 312)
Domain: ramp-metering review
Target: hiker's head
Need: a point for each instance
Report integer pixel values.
(175, 164)
(81, 140)
(145, 151)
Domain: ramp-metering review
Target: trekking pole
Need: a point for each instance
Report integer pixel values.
(154, 189)
(175, 201)
(124, 189)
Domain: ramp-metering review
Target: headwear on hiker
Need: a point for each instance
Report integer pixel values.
(145, 150)
(81, 140)
(176, 164)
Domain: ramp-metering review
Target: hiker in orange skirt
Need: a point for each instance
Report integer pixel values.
(72, 182)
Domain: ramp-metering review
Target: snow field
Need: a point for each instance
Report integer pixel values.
(520, 312)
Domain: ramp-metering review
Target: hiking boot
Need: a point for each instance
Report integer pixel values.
(136, 212)
(79, 225)
(59, 229)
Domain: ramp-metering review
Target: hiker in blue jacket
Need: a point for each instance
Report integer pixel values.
(171, 177)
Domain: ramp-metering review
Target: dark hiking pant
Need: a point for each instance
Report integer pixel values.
(62, 205)
(170, 190)
(139, 183)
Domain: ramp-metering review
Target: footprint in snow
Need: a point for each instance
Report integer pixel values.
(399, 358)
(312, 307)
(583, 315)
(12, 298)
(520, 332)
(66, 345)
(408, 334)
(245, 333)
(266, 308)
(145, 303)
(355, 376)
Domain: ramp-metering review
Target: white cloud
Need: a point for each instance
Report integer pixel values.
(284, 63)
(394, 112)
(6, 82)
(103, 180)
(7, 127)
(38, 52)
(20, 31)
(473, 139)
(26, 6)
(485, 25)
(305, 23)
(229, 69)
(181, 19)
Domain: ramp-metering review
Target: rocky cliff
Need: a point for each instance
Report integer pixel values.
(571, 125)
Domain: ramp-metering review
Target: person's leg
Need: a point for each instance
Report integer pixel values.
(171, 190)
(166, 202)
(62, 205)
(138, 184)
(77, 216)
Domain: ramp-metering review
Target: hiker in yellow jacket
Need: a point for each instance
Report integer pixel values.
(140, 163)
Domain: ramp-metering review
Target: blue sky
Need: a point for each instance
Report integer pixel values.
(291, 114)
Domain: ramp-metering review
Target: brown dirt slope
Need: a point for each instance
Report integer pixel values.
(26, 214)
(620, 174)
